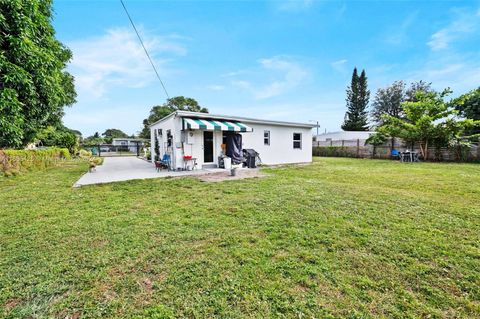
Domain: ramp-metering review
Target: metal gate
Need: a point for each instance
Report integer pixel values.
(110, 150)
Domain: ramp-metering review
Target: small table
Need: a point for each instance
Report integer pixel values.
(186, 160)
(409, 157)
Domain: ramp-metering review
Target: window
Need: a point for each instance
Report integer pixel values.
(266, 137)
(169, 138)
(160, 133)
(297, 140)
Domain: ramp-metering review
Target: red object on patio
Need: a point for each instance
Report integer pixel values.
(187, 157)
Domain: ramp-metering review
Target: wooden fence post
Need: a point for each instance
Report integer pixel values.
(358, 147)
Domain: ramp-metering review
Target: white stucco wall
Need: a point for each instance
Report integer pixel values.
(168, 124)
(280, 150)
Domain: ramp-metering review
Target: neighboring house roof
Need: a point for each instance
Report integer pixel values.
(345, 135)
(129, 139)
(232, 118)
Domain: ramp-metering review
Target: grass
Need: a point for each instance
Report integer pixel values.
(338, 238)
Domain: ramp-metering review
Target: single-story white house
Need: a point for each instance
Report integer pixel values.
(209, 138)
(343, 135)
(130, 143)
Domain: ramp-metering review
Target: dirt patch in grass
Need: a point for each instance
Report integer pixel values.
(226, 176)
(12, 303)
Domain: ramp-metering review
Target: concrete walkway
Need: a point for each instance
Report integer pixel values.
(116, 169)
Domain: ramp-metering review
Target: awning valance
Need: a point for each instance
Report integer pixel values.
(214, 125)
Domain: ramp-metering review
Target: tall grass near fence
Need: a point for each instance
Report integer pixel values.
(13, 162)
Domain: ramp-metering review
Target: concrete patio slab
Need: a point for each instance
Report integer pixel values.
(117, 169)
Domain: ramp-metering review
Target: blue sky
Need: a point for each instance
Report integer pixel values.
(283, 60)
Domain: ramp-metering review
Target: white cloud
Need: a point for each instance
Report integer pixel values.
(274, 76)
(340, 65)
(459, 73)
(241, 84)
(215, 87)
(399, 35)
(116, 59)
(463, 24)
(292, 75)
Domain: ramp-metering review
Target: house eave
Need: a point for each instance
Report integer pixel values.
(234, 118)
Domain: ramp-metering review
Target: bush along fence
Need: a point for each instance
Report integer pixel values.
(357, 148)
(12, 162)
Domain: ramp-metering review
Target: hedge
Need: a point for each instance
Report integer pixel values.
(13, 162)
(332, 151)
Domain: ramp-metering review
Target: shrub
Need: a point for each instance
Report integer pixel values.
(61, 137)
(12, 162)
(332, 151)
(84, 154)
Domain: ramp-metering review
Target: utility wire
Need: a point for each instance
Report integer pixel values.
(144, 48)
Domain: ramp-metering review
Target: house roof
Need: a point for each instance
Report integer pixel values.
(346, 132)
(232, 118)
(128, 139)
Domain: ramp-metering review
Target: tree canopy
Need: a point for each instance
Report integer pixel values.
(173, 104)
(59, 136)
(388, 101)
(34, 84)
(112, 133)
(468, 106)
(415, 87)
(429, 120)
(358, 96)
(94, 139)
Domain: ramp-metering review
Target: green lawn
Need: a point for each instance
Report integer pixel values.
(338, 238)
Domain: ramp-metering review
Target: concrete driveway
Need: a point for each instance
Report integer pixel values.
(116, 169)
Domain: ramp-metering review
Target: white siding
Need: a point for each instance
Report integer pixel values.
(168, 124)
(280, 150)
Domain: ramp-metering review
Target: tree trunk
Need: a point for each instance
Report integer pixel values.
(425, 157)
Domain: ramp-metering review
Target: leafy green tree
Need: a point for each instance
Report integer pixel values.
(428, 120)
(415, 87)
(60, 136)
(95, 139)
(34, 86)
(173, 104)
(358, 96)
(468, 106)
(388, 101)
(112, 133)
(375, 140)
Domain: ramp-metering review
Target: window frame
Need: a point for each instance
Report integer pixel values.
(297, 141)
(266, 138)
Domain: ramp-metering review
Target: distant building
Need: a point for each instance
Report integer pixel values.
(343, 136)
(130, 143)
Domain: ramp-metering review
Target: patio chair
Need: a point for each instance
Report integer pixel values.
(395, 154)
(166, 161)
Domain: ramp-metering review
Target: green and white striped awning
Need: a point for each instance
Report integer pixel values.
(214, 125)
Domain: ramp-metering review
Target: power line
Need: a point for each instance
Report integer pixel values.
(144, 48)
